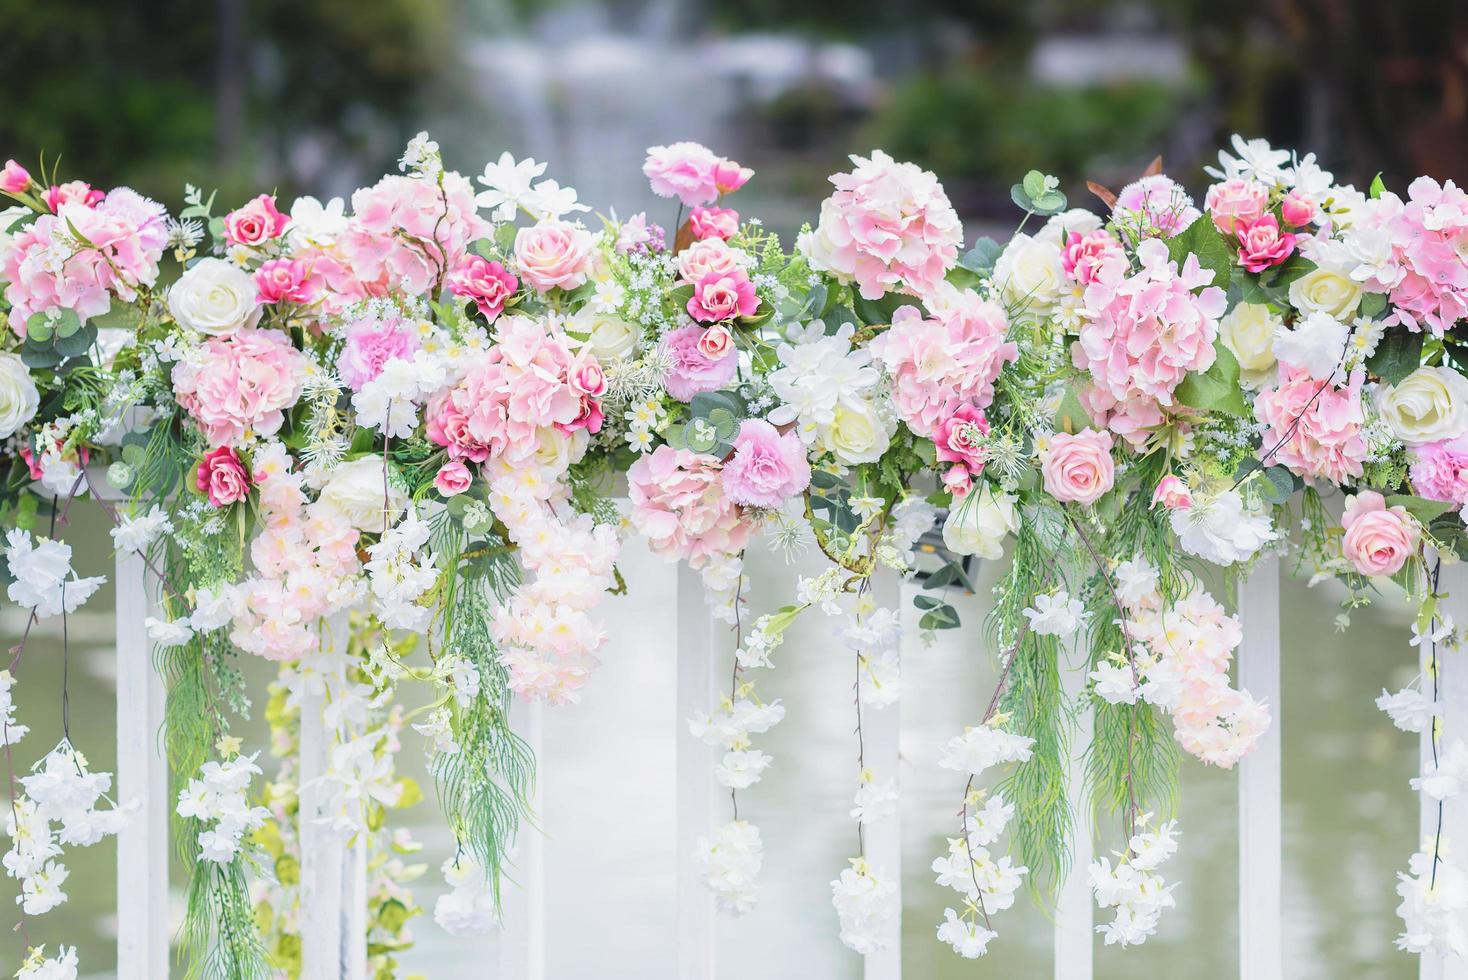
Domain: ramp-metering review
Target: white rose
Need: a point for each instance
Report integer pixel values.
(1248, 331)
(1029, 274)
(18, 396)
(358, 492)
(555, 452)
(857, 433)
(610, 338)
(214, 297)
(1429, 404)
(1323, 290)
(978, 523)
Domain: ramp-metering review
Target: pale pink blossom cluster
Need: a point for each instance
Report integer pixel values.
(679, 504)
(1440, 471)
(530, 381)
(407, 233)
(1183, 653)
(1316, 426)
(939, 365)
(547, 638)
(1414, 251)
(1141, 334)
(304, 562)
(81, 257)
(240, 384)
(888, 227)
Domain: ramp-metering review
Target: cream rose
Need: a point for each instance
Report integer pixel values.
(1248, 332)
(215, 297)
(610, 338)
(1325, 291)
(18, 396)
(358, 491)
(857, 434)
(1030, 274)
(1429, 404)
(978, 523)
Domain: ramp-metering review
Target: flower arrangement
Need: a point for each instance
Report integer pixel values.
(411, 414)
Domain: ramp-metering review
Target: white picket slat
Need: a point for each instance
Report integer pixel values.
(700, 639)
(881, 731)
(142, 778)
(1260, 843)
(333, 913)
(1074, 908)
(1452, 688)
(522, 934)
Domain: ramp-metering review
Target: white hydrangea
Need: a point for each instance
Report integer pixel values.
(1434, 905)
(866, 906)
(11, 731)
(728, 862)
(468, 908)
(874, 801)
(734, 722)
(134, 535)
(977, 749)
(1133, 888)
(44, 582)
(829, 391)
(1221, 529)
(742, 768)
(1447, 776)
(1409, 709)
(40, 967)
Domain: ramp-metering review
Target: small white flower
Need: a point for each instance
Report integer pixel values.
(1056, 615)
(1409, 709)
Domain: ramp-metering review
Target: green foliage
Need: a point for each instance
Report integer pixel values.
(1397, 355)
(1203, 240)
(1216, 389)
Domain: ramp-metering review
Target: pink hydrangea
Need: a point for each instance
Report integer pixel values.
(1236, 202)
(767, 468)
(487, 283)
(941, 364)
(723, 297)
(126, 233)
(370, 344)
(1134, 418)
(1429, 237)
(889, 226)
(406, 233)
(1440, 471)
(679, 505)
(238, 383)
(1155, 203)
(255, 223)
(690, 369)
(1141, 334)
(1262, 245)
(692, 173)
(1318, 430)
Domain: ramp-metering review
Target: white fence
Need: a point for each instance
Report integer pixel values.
(333, 873)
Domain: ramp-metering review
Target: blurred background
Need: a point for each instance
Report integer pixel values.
(319, 96)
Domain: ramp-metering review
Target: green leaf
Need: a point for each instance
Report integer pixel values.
(870, 311)
(950, 574)
(1279, 484)
(38, 328)
(1203, 240)
(1372, 304)
(1397, 355)
(940, 618)
(982, 258)
(1020, 198)
(1033, 184)
(814, 305)
(706, 403)
(1217, 388)
(1072, 416)
(926, 601)
(1378, 187)
(1419, 507)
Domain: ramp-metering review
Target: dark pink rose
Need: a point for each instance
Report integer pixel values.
(487, 283)
(284, 281)
(1262, 245)
(256, 223)
(222, 477)
(14, 179)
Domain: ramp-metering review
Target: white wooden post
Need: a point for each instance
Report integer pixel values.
(522, 920)
(700, 636)
(1452, 691)
(881, 730)
(1260, 909)
(1074, 908)
(333, 914)
(142, 778)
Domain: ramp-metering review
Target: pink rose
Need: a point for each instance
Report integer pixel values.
(1236, 202)
(713, 222)
(222, 477)
(587, 376)
(1262, 245)
(73, 192)
(1297, 209)
(256, 223)
(1078, 468)
(553, 253)
(1379, 539)
(14, 179)
(1172, 493)
(1440, 471)
(717, 297)
(709, 256)
(960, 439)
(691, 371)
(715, 342)
(284, 280)
(1086, 256)
(485, 282)
(371, 344)
(452, 478)
(957, 480)
(767, 468)
(692, 173)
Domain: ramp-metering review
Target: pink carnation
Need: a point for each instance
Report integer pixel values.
(1141, 334)
(692, 173)
(679, 505)
(1440, 471)
(691, 370)
(485, 282)
(713, 222)
(717, 297)
(371, 344)
(1236, 202)
(284, 281)
(222, 477)
(406, 233)
(238, 383)
(256, 223)
(889, 226)
(942, 364)
(767, 468)
(1154, 204)
(1378, 539)
(553, 253)
(127, 234)
(1085, 256)
(1078, 468)
(1262, 245)
(73, 192)
(1323, 425)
